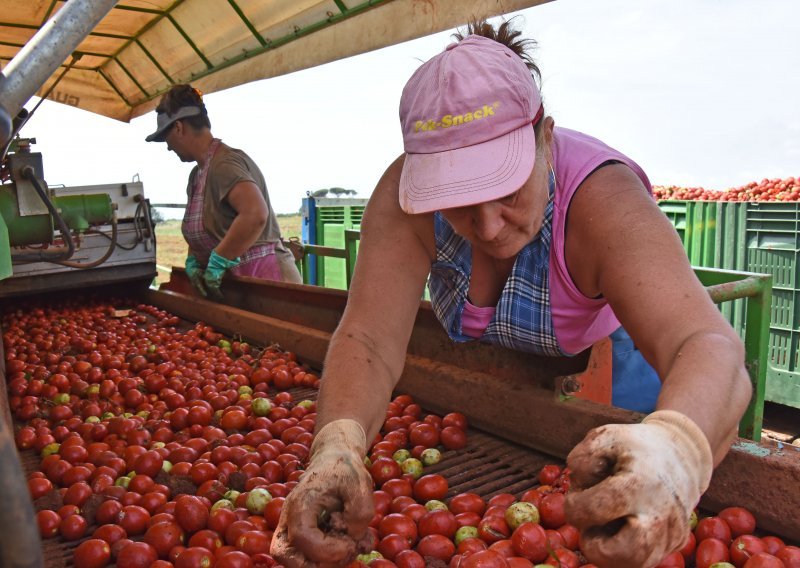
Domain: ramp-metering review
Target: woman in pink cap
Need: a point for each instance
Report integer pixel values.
(229, 223)
(541, 239)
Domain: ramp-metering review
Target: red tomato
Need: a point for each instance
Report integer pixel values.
(484, 559)
(431, 486)
(740, 520)
(493, 528)
(713, 527)
(709, 551)
(234, 559)
(773, 544)
(530, 541)
(399, 524)
(437, 546)
(409, 559)
(253, 542)
(73, 527)
(453, 438)
(163, 537)
(564, 558)
(764, 560)
(110, 533)
(48, 522)
(467, 503)
(191, 513)
(393, 544)
(136, 555)
(438, 522)
(194, 557)
(551, 510)
(571, 536)
(745, 546)
(133, 519)
(92, 553)
(384, 469)
(790, 556)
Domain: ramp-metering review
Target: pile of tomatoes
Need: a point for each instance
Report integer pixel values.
(168, 445)
(768, 189)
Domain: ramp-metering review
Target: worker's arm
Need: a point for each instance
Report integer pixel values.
(635, 485)
(252, 215)
(638, 263)
(362, 367)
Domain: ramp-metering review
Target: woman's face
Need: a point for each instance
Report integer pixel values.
(502, 227)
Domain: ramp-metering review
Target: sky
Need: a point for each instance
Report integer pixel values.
(698, 92)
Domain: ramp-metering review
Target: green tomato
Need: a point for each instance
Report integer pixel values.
(464, 533)
(367, 558)
(401, 455)
(693, 520)
(122, 481)
(244, 389)
(307, 404)
(521, 512)
(431, 456)
(50, 449)
(413, 467)
(257, 499)
(436, 505)
(261, 406)
(223, 504)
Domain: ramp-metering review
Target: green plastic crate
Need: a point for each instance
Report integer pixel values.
(334, 216)
(754, 237)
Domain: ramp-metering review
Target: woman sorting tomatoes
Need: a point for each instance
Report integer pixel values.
(536, 238)
(229, 223)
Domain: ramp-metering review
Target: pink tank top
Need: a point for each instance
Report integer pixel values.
(578, 321)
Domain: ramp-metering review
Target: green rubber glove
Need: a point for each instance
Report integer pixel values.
(195, 273)
(217, 266)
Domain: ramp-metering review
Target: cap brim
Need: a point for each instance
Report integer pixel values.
(160, 134)
(467, 176)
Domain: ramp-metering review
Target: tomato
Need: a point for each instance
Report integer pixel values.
(530, 541)
(205, 538)
(110, 533)
(194, 557)
(253, 542)
(548, 474)
(567, 559)
(73, 527)
(709, 551)
(426, 435)
(484, 559)
(92, 553)
(163, 537)
(191, 513)
(494, 528)
(764, 560)
(234, 559)
(398, 524)
(740, 520)
(438, 522)
(384, 469)
(437, 546)
(48, 522)
(467, 503)
(77, 494)
(790, 556)
(551, 510)
(149, 463)
(453, 438)
(397, 487)
(773, 544)
(136, 555)
(431, 486)
(133, 519)
(393, 544)
(745, 546)
(713, 527)
(571, 536)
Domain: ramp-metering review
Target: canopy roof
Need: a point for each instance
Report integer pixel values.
(142, 47)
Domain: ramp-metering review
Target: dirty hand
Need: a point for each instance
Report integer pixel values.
(325, 517)
(634, 488)
(217, 266)
(195, 274)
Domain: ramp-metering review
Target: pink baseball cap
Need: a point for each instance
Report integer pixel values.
(467, 119)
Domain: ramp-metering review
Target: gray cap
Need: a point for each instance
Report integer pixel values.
(164, 121)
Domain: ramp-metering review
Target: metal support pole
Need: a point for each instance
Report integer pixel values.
(44, 53)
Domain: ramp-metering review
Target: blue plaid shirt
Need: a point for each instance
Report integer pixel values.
(522, 319)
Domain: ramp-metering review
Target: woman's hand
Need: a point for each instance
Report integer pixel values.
(634, 488)
(326, 516)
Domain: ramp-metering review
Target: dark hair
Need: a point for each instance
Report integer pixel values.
(510, 37)
(180, 96)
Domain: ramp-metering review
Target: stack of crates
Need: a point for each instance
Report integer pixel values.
(324, 223)
(759, 237)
